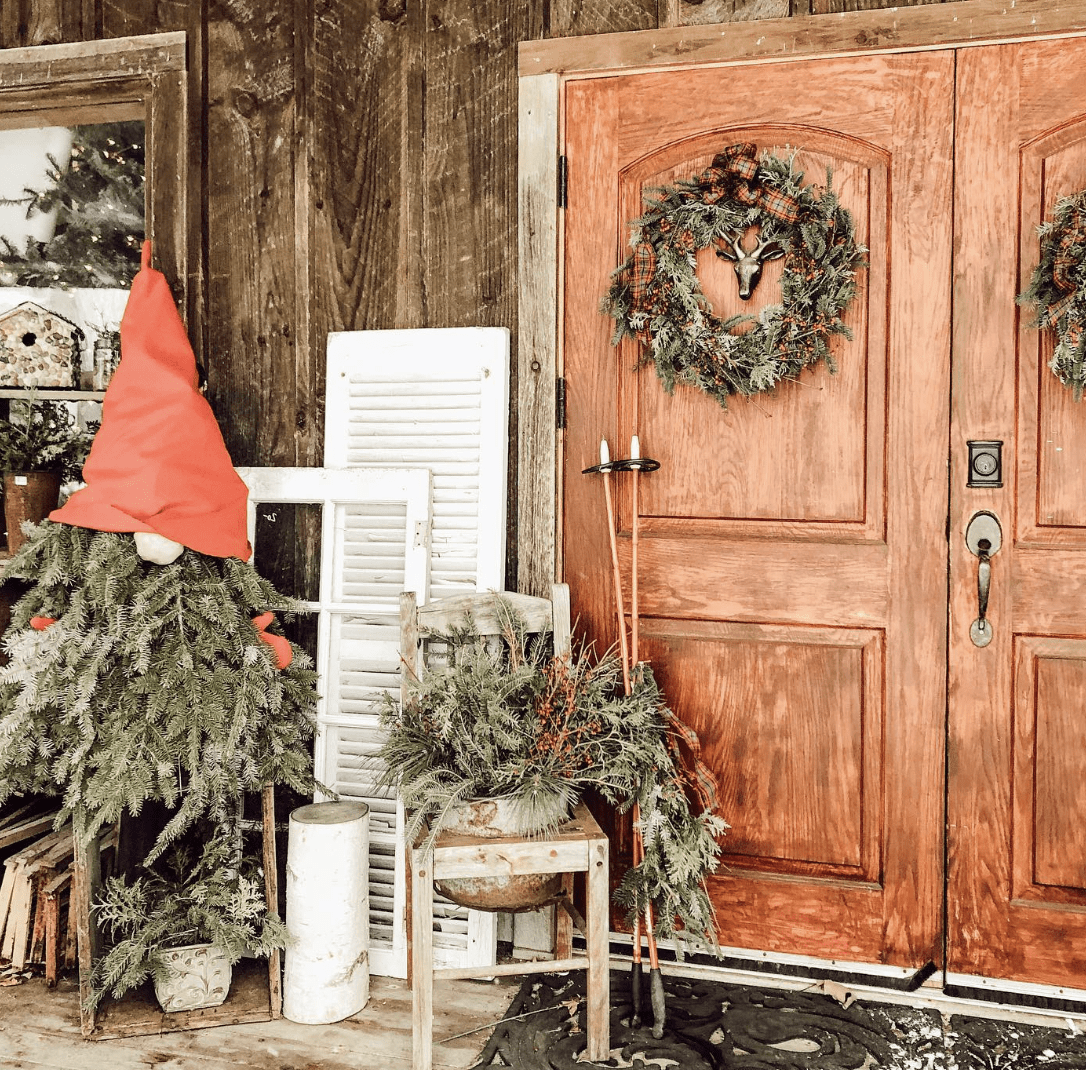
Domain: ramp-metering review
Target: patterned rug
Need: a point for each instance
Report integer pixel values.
(715, 1026)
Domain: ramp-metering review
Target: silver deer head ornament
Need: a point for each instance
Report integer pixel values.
(748, 266)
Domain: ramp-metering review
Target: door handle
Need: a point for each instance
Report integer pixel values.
(983, 536)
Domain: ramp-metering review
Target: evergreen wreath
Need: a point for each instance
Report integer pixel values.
(655, 295)
(1057, 290)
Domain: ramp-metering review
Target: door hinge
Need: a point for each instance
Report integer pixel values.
(563, 182)
(560, 403)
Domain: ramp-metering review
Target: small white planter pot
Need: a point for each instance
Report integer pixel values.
(200, 977)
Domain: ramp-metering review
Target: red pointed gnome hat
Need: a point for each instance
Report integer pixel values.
(158, 462)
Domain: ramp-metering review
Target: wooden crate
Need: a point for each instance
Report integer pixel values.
(256, 993)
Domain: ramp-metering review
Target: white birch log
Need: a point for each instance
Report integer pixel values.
(327, 975)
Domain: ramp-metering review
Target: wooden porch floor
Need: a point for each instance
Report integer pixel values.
(39, 1027)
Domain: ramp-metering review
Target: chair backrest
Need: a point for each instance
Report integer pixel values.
(419, 623)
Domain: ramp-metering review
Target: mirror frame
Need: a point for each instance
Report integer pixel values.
(105, 81)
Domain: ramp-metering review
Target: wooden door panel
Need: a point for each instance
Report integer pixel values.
(794, 717)
(1016, 851)
(701, 577)
(829, 427)
(1049, 788)
(793, 553)
(1052, 440)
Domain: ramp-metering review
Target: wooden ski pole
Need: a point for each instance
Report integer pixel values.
(656, 981)
(620, 609)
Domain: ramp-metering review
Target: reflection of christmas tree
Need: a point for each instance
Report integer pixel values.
(99, 196)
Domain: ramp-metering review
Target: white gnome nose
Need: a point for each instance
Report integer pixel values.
(157, 548)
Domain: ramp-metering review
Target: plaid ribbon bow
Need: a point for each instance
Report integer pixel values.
(1068, 255)
(733, 174)
(702, 778)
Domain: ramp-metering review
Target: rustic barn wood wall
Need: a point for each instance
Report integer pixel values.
(356, 166)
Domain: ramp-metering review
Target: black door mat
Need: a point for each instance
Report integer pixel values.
(716, 1026)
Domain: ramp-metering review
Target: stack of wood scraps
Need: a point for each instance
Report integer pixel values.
(37, 929)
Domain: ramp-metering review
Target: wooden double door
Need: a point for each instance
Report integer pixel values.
(897, 794)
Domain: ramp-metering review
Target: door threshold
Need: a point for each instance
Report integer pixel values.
(1042, 1005)
(1025, 993)
(800, 967)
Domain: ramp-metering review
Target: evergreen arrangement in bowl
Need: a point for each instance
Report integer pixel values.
(43, 437)
(211, 895)
(508, 719)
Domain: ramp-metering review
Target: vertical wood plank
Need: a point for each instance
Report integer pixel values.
(44, 23)
(979, 739)
(706, 12)
(364, 167)
(421, 952)
(86, 880)
(570, 18)
(823, 7)
(537, 343)
(596, 938)
(132, 18)
(469, 267)
(12, 24)
(469, 165)
(271, 895)
(250, 308)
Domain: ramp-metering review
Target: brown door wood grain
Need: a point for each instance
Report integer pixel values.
(1017, 708)
(798, 550)
(793, 550)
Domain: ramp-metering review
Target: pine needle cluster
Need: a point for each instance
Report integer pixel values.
(509, 719)
(151, 684)
(743, 354)
(210, 893)
(1058, 309)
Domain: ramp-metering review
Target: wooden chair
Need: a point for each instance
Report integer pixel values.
(579, 846)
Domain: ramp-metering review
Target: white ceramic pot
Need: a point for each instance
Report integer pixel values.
(200, 977)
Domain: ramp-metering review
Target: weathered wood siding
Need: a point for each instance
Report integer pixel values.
(355, 167)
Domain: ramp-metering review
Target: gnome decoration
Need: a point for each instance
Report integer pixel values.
(145, 662)
(158, 465)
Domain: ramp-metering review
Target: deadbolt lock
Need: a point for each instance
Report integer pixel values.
(985, 463)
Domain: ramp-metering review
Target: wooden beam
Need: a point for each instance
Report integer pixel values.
(928, 26)
(538, 365)
(120, 58)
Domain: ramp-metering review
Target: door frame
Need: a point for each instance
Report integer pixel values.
(545, 67)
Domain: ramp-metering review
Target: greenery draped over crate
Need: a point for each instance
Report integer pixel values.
(656, 298)
(514, 720)
(1057, 290)
(131, 681)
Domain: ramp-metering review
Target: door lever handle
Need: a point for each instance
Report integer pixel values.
(980, 631)
(984, 537)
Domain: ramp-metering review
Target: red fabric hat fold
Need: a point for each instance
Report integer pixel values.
(158, 462)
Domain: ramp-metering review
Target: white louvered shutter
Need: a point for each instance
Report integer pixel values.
(374, 544)
(436, 398)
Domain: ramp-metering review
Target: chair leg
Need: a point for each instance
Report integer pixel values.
(596, 938)
(563, 923)
(422, 960)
